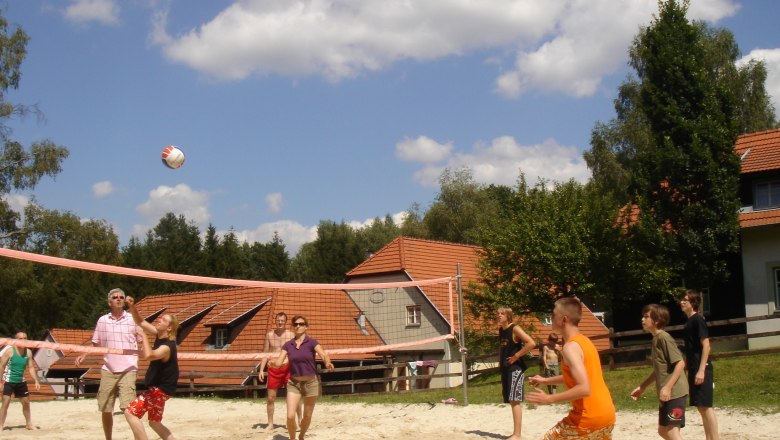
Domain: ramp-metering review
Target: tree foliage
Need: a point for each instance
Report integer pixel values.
(547, 245)
(667, 159)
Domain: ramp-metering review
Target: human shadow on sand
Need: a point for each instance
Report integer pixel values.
(486, 434)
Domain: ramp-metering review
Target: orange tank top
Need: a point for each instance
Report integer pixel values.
(597, 410)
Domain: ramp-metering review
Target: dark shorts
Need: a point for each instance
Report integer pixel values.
(512, 385)
(702, 395)
(16, 389)
(672, 413)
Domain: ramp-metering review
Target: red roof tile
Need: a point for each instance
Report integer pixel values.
(759, 218)
(70, 336)
(759, 151)
(248, 312)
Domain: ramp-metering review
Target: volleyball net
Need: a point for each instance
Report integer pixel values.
(350, 320)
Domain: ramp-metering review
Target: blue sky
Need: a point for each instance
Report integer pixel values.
(292, 112)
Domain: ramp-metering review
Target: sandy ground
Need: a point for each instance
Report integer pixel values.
(225, 419)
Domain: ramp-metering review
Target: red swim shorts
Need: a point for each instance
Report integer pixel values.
(151, 400)
(278, 377)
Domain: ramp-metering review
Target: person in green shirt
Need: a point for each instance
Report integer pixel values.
(12, 363)
(668, 367)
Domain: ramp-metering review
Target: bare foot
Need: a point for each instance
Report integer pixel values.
(269, 428)
(31, 428)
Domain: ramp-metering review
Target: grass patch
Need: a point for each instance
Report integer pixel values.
(746, 382)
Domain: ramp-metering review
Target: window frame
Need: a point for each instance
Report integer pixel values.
(220, 335)
(773, 194)
(414, 315)
(776, 272)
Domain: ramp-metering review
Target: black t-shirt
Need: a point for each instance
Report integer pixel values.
(695, 331)
(508, 347)
(164, 375)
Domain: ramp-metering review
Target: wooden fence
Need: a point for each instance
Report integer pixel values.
(615, 353)
(383, 378)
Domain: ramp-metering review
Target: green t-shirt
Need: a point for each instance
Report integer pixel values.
(664, 356)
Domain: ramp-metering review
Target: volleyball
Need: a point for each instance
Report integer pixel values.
(172, 157)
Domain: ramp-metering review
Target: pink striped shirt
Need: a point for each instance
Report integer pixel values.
(121, 333)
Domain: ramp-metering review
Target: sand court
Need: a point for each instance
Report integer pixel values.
(244, 419)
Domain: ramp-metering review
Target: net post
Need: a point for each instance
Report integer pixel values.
(463, 354)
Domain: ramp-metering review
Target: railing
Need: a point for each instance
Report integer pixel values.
(613, 353)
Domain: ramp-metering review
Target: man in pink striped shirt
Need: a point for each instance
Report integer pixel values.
(117, 329)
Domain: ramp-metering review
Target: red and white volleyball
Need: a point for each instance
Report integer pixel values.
(172, 157)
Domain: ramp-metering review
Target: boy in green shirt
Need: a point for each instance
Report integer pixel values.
(668, 366)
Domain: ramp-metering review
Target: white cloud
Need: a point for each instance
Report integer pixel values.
(102, 189)
(274, 202)
(292, 233)
(771, 59)
(102, 11)
(423, 149)
(180, 200)
(557, 46)
(17, 202)
(504, 158)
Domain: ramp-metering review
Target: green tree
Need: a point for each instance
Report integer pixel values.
(20, 168)
(268, 261)
(40, 296)
(460, 209)
(380, 232)
(685, 184)
(545, 247)
(667, 159)
(336, 250)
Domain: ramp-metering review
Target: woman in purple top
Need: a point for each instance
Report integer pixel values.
(303, 383)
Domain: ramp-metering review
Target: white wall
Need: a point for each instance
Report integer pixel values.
(760, 254)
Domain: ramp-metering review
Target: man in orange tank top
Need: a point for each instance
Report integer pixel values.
(592, 415)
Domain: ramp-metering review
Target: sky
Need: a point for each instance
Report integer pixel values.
(291, 112)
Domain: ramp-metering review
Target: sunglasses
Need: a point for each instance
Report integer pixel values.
(299, 324)
(117, 297)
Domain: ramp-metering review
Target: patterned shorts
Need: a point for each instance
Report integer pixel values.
(566, 431)
(512, 385)
(151, 400)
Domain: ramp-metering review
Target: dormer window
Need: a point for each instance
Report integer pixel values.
(767, 195)
(220, 337)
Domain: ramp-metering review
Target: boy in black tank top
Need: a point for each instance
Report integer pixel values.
(514, 343)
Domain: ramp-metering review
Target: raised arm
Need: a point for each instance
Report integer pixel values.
(163, 352)
(146, 326)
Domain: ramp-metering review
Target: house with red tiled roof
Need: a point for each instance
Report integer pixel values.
(759, 221)
(45, 357)
(236, 321)
(412, 259)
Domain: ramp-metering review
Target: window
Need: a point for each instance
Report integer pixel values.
(776, 270)
(413, 316)
(220, 337)
(767, 195)
(546, 319)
